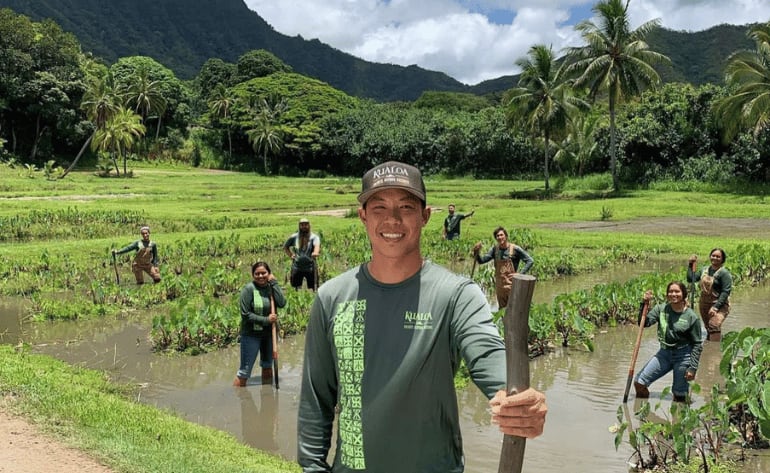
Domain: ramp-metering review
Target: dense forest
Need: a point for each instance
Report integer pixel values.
(61, 108)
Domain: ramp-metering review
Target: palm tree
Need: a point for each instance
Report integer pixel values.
(101, 101)
(748, 75)
(615, 60)
(267, 134)
(219, 104)
(118, 136)
(543, 100)
(579, 147)
(145, 96)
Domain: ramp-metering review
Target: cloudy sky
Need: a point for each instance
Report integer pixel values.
(475, 40)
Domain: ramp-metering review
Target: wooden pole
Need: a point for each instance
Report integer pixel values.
(275, 341)
(692, 286)
(516, 325)
(643, 317)
(115, 265)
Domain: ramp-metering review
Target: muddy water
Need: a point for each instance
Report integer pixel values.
(584, 389)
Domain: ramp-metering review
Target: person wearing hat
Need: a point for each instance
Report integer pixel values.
(452, 223)
(384, 342)
(303, 248)
(146, 258)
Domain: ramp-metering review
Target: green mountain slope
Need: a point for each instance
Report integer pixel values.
(183, 34)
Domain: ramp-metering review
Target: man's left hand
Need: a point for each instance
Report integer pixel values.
(521, 414)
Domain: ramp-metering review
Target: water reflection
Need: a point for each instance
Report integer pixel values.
(584, 389)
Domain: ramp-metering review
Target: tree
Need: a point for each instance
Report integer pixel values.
(543, 100)
(101, 102)
(615, 60)
(220, 103)
(748, 76)
(267, 134)
(259, 63)
(118, 136)
(145, 96)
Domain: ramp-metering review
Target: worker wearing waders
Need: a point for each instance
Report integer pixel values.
(146, 258)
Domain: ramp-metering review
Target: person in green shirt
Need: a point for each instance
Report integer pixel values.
(146, 258)
(681, 334)
(452, 223)
(384, 342)
(257, 318)
(507, 257)
(716, 284)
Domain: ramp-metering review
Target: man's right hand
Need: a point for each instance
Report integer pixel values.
(114, 252)
(476, 248)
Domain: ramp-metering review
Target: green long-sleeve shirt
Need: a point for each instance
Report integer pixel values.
(386, 354)
(723, 282)
(678, 329)
(135, 246)
(515, 253)
(255, 307)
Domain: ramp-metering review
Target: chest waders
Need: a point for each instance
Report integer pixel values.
(504, 272)
(143, 263)
(708, 296)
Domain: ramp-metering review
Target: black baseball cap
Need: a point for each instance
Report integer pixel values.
(392, 175)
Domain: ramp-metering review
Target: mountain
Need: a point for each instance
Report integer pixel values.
(183, 34)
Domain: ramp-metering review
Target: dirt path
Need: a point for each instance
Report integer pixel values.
(24, 449)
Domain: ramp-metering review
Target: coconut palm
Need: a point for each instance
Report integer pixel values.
(145, 96)
(267, 135)
(543, 100)
(579, 147)
(101, 101)
(616, 61)
(220, 103)
(748, 77)
(118, 136)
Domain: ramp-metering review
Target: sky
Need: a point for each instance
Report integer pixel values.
(476, 40)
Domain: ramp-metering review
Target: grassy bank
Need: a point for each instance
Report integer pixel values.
(83, 408)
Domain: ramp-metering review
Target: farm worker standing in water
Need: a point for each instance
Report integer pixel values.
(384, 342)
(680, 333)
(716, 284)
(256, 322)
(507, 257)
(146, 258)
(303, 248)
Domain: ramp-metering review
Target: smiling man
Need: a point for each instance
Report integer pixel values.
(384, 342)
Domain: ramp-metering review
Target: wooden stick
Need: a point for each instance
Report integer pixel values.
(115, 265)
(692, 286)
(630, 379)
(275, 341)
(516, 325)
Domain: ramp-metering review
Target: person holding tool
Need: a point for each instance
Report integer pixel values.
(145, 260)
(257, 317)
(384, 341)
(680, 333)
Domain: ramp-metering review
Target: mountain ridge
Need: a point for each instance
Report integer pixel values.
(183, 34)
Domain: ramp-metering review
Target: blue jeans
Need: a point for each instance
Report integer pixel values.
(665, 360)
(250, 346)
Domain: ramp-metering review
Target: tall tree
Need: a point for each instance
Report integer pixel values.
(616, 60)
(118, 136)
(267, 134)
(101, 101)
(145, 96)
(544, 99)
(220, 102)
(748, 76)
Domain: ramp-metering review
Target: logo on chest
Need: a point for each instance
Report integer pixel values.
(418, 320)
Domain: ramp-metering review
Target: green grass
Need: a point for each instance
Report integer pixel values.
(83, 408)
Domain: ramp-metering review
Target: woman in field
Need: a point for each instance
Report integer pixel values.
(256, 321)
(716, 283)
(680, 333)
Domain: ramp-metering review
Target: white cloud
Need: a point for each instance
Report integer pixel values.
(455, 36)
